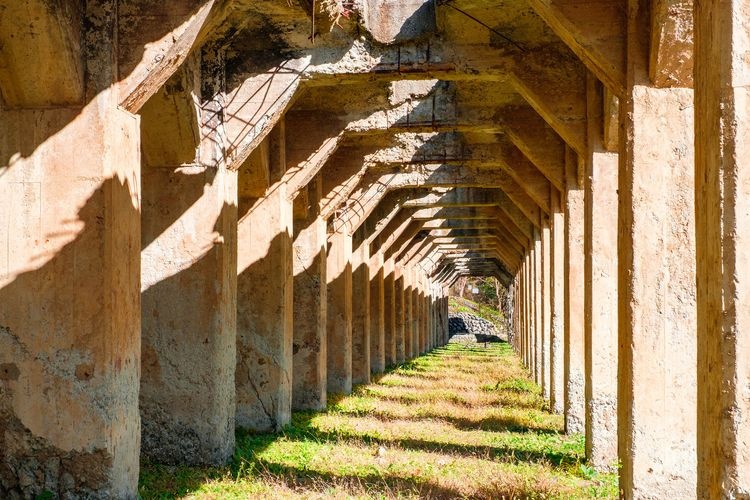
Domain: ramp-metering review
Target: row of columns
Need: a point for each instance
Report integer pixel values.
(644, 282)
(240, 308)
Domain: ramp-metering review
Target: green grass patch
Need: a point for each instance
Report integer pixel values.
(459, 422)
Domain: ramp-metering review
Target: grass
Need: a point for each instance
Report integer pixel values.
(463, 421)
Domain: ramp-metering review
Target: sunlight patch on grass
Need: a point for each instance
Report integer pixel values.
(462, 421)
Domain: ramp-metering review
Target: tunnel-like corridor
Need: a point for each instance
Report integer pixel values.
(214, 213)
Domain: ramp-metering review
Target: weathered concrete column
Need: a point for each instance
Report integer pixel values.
(524, 312)
(400, 321)
(538, 310)
(377, 313)
(575, 415)
(408, 311)
(657, 313)
(416, 312)
(189, 284)
(531, 297)
(70, 300)
(600, 300)
(309, 348)
(422, 313)
(394, 333)
(722, 92)
(546, 305)
(339, 325)
(361, 314)
(264, 313)
(557, 309)
(189, 330)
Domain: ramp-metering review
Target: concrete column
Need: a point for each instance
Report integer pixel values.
(189, 311)
(264, 313)
(400, 321)
(189, 287)
(557, 309)
(657, 310)
(428, 316)
(70, 300)
(361, 315)
(394, 333)
(600, 300)
(309, 374)
(546, 307)
(722, 93)
(408, 323)
(575, 416)
(339, 325)
(377, 313)
(531, 297)
(416, 311)
(538, 310)
(525, 311)
(422, 314)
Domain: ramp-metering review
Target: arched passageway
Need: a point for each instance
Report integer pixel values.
(216, 212)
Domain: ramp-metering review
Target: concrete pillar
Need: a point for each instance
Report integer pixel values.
(575, 416)
(722, 91)
(377, 313)
(264, 313)
(339, 325)
(557, 308)
(546, 305)
(538, 310)
(600, 300)
(428, 316)
(525, 309)
(309, 373)
(400, 320)
(394, 333)
(408, 320)
(189, 289)
(189, 311)
(657, 310)
(422, 314)
(361, 314)
(416, 311)
(70, 305)
(531, 298)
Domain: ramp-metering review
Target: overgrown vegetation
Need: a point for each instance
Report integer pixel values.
(460, 422)
(457, 304)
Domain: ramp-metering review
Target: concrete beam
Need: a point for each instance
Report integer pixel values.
(374, 184)
(595, 31)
